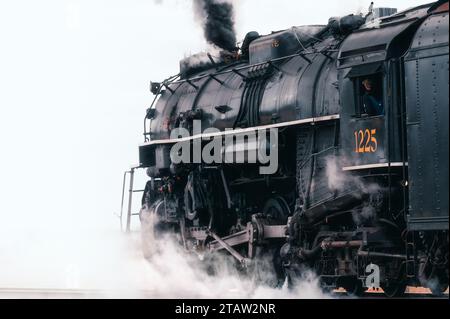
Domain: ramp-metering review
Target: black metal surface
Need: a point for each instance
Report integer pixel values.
(282, 43)
(364, 141)
(427, 106)
(374, 43)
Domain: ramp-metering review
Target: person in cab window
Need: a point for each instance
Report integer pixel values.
(372, 99)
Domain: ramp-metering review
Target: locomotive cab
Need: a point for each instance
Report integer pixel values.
(364, 93)
(393, 86)
(372, 93)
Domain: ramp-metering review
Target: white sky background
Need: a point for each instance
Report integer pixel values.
(74, 78)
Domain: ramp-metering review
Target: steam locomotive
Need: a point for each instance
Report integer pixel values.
(360, 111)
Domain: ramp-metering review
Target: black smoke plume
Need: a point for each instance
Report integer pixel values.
(218, 22)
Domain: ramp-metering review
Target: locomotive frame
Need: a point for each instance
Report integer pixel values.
(352, 189)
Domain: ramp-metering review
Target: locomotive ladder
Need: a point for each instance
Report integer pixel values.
(410, 256)
(131, 192)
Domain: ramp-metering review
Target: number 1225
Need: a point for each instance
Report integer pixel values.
(365, 141)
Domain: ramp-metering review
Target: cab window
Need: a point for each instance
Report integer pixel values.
(369, 95)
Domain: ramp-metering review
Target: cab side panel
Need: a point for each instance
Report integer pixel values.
(427, 104)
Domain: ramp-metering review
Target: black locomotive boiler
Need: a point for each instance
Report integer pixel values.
(361, 111)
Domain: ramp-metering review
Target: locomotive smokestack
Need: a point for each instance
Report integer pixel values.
(218, 22)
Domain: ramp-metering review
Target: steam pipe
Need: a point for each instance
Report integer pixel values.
(327, 244)
(212, 60)
(302, 55)
(375, 254)
(167, 87)
(341, 244)
(321, 211)
(309, 254)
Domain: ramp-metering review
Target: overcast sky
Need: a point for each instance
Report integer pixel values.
(74, 78)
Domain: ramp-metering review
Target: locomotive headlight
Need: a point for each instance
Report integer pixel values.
(155, 87)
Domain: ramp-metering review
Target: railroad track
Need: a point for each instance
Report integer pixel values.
(37, 293)
(420, 294)
(30, 293)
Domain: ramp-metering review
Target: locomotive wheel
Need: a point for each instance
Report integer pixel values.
(277, 208)
(436, 279)
(394, 289)
(438, 290)
(266, 268)
(353, 287)
(439, 284)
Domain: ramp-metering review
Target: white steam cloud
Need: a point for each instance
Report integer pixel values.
(339, 180)
(112, 264)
